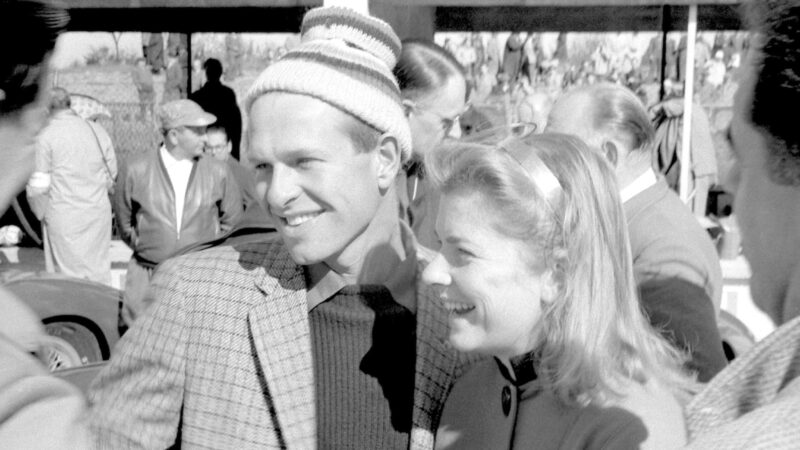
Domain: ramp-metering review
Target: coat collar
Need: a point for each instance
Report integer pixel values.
(281, 336)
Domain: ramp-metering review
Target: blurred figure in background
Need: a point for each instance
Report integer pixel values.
(37, 410)
(153, 50)
(220, 100)
(234, 53)
(668, 120)
(218, 146)
(434, 90)
(174, 83)
(76, 168)
(143, 80)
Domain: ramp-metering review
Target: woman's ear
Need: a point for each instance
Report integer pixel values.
(389, 159)
(549, 287)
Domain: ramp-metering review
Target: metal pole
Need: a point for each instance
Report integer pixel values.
(688, 95)
(666, 15)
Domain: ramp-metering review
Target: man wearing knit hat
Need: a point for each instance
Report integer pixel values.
(170, 198)
(320, 336)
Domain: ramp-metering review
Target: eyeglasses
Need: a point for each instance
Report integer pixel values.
(447, 123)
(216, 148)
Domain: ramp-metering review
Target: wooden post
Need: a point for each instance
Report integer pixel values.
(407, 21)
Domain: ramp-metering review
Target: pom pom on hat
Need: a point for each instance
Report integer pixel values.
(345, 59)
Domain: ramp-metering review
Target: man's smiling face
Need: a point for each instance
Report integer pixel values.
(322, 191)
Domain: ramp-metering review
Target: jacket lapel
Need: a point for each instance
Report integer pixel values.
(281, 335)
(280, 331)
(435, 366)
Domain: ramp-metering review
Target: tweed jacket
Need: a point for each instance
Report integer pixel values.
(223, 358)
(755, 402)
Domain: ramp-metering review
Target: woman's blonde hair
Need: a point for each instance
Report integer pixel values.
(594, 337)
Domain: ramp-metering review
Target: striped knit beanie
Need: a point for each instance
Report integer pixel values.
(344, 59)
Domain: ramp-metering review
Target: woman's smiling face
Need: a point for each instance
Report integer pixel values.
(488, 282)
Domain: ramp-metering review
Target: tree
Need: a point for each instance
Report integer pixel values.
(116, 35)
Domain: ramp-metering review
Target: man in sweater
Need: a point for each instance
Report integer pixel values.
(755, 402)
(320, 335)
(669, 246)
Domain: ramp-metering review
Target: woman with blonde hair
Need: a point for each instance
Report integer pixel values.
(535, 269)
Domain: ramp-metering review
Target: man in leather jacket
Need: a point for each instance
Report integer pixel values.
(172, 197)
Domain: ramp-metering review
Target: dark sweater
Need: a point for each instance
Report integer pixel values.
(364, 353)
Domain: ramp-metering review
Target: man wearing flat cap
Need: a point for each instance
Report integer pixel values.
(172, 197)
(321, 336)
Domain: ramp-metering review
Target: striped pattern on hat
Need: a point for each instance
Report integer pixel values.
(366, 32)
(345, 59)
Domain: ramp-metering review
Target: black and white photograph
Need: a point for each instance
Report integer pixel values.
(399, 224)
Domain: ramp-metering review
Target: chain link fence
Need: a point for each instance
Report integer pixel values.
(132, 128)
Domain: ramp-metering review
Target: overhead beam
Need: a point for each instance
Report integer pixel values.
(78, 4)
(135, 4)
(188, 20)
(417, 21)
(561, 3)
(590, 18)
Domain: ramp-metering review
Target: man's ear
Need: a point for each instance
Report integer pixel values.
(611, 152)
(171, 136)
(389, 159)
(408, 107)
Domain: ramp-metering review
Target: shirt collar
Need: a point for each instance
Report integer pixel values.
(519, 370)
(644, 181)
(401, 283)
(170, 161)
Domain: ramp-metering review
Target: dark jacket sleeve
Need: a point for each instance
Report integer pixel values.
(123, 208)
(683, 313)
(232, 205)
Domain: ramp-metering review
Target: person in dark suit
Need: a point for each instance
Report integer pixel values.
(219, 146)
(220, 100)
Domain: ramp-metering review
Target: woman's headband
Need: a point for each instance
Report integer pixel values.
(543, 178)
